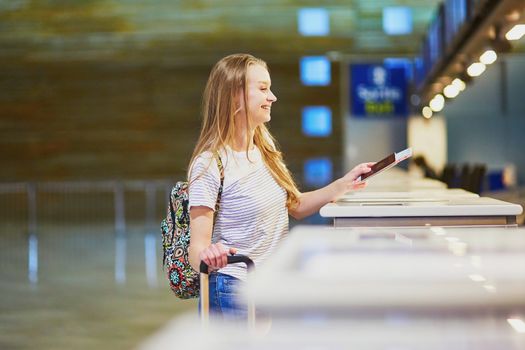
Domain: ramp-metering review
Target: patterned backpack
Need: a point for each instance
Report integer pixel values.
(175, 231)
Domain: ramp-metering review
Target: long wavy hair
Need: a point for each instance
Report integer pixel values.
(219, 107)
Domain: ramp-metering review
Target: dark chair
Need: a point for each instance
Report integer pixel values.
(465, 177)
(476, 178)
(448, 175)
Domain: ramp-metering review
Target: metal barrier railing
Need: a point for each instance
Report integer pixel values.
(85, 201)
(29, 206)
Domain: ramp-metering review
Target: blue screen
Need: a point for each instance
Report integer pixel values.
(313, 22)
(318, 171)
(397, 20)
(317, 121)
(315, 71)
(405, 63)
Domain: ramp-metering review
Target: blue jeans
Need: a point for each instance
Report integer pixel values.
(224, 298)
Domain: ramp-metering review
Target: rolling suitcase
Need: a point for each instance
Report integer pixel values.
(205, 292)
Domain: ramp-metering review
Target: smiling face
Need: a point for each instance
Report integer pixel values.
(260, 97)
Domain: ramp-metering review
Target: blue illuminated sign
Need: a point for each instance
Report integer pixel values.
(397, 20)
(378, 90)
(318, 172)
(315, 71)
(313, 22)
(317, 121)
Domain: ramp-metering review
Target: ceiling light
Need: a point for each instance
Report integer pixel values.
(488, 57)
(439, 98)
(437, 103)
(427, 112)
(516, 32)
(460, 84)
(451, 91)
(476, 69)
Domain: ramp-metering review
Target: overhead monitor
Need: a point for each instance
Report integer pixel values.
(317, 121)
(318, 171)
(315, 71)
(397, 20)
(313, 21)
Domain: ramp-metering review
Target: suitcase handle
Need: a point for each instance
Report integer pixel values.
(204, 292)
(232, 259)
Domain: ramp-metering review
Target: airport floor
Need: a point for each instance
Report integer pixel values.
(74, 286)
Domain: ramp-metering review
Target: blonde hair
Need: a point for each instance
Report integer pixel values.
(219, 107)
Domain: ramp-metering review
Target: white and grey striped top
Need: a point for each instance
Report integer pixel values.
(253, 216)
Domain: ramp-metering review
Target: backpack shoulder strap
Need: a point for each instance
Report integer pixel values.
(221, 172)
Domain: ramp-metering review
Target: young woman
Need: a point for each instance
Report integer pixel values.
(258, 191)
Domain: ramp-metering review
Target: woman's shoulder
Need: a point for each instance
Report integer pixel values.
(204, 157)
(203, 163)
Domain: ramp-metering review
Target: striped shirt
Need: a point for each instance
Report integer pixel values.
(253, 216)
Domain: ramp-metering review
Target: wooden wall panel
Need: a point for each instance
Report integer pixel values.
(71, 121)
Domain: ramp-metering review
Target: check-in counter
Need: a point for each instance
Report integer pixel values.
(404, 185)
(378, 288)
(400, 180)
(359, 196)
(429, 211)
(379, 332)
(345, 272)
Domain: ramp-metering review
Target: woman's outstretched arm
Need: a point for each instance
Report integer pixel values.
(311, 202)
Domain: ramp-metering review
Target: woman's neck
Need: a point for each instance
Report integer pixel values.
(241, 142)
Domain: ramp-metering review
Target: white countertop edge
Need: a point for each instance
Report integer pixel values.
(334, 210)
